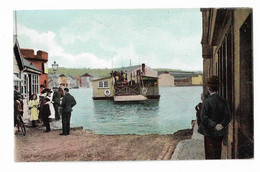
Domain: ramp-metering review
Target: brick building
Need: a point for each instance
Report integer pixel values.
(39, 60)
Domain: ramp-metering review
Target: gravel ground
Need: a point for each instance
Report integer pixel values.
(82, 145)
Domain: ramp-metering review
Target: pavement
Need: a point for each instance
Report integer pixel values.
(190, 149)
(54, 125)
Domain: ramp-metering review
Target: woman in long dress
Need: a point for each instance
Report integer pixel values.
(33, 105)
(52, 110)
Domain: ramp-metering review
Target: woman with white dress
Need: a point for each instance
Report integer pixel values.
(52, 110)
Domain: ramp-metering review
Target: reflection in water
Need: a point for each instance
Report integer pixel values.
(174, 111)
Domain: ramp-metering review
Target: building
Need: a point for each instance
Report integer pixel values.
(72, 82)
(86, 79)
(27, 74)
(40, 61)
(187, 78)
(166, 80)
(196, 80)
(17, 65)
(128, 81)
(26, 77)
(101, 87)
(55, 80)
(227, 51)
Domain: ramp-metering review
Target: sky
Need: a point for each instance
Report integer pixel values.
(160, 38)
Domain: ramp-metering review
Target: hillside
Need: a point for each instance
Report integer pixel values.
(100, 72)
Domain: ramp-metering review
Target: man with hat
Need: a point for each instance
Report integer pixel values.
(215, 117)
(68, 102)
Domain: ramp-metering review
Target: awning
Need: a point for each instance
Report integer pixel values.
(16, 78)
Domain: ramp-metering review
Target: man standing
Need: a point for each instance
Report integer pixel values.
(68, 102)
(215, 117)
(56, 100)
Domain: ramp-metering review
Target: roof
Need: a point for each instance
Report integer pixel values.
(180, 75)
(129, 68)
(53, 75)
(29, 64)
(17, 54)
(86, 75)
(107, 77)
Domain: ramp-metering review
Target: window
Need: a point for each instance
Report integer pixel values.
(35, 84)
(100, 84)
(103, 84)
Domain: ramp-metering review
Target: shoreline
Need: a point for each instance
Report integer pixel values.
(85, 145)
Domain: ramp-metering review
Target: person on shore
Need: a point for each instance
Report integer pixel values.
(50, 97)
(61, 90)
(17, 108)
(43, 89)
(215, 117)
(56, 100)
(33, 106)
(45, 110)
(18, 95)
(16, 92)
(198, 107)
(68, 102)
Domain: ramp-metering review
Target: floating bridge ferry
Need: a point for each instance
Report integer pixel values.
(133, 83)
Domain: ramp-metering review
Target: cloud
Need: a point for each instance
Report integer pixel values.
(47, 42)
(156, 45)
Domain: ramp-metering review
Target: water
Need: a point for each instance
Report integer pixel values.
(174, 111)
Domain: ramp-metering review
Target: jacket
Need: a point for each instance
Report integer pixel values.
(68, 102)
(56, 97)
(215, 110)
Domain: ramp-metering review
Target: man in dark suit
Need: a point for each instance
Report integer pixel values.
(56, 100)
(68, 102)
(215, 117)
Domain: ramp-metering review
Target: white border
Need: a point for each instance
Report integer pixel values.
(7, 139)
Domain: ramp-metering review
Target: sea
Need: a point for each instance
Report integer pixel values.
(172, 112)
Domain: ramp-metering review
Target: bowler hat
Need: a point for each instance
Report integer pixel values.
(213, 81)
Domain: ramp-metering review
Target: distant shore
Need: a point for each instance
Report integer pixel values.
(84, 145)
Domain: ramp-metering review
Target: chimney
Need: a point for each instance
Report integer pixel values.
(143, 68)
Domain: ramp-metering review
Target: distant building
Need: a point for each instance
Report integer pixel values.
(40, 61)
(72, 82)
(55, 80)
(86, 80)
(185, 78)
(166, 80)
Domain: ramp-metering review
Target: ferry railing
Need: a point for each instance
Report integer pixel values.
(126, 90)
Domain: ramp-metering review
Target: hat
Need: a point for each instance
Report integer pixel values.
(19, 96)
(213, 81)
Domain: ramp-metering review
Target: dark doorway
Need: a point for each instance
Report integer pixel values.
(245, 117)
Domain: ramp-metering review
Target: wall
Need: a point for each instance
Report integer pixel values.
(197, 80)
(99, 92)
(38, 60)
(231, 71)
(166, 80)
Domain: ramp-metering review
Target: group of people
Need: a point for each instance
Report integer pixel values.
(213, 117)
(46, 107)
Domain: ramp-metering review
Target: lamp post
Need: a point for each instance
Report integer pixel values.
(55, 67)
